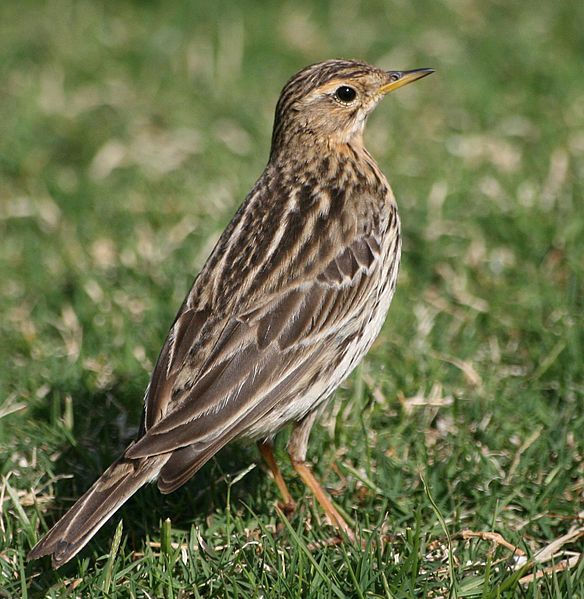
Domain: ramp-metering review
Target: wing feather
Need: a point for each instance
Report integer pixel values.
(264, 356)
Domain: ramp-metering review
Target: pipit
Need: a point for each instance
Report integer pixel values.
(288, 303)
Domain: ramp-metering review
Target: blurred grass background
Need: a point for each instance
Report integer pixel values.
(129, 134)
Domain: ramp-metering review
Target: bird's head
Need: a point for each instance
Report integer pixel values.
(330, 101)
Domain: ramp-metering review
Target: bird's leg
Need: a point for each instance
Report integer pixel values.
(297, 447)
(267, 450)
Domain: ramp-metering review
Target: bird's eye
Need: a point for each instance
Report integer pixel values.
(395, 77)
(345, 93)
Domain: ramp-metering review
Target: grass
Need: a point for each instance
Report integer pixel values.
(130, 132)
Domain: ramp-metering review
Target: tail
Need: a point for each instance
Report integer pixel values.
(114, 487)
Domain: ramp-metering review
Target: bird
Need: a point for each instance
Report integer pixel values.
(287, 304)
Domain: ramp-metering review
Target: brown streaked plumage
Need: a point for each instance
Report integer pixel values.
(290, 300)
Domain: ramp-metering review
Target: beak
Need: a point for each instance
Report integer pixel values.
(398, 79)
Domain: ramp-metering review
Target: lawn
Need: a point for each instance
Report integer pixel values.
(129, 134)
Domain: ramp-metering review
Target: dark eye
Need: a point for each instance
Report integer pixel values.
(395, 76)
(345, 93)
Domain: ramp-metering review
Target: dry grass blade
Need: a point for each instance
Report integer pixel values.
(559, 567)
(11, 407)
(564, 560)
(550, 551)
(494, 537)
(330, 542)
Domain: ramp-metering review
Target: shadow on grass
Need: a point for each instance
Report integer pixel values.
(103, 426)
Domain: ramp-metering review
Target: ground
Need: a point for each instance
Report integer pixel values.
(130, 132)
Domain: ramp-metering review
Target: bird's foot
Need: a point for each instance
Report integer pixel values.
(288, 507)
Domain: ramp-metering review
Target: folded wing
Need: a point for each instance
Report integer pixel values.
(265, 355)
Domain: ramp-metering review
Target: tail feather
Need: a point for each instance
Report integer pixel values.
(115, 486)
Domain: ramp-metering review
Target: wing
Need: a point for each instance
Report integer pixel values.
(262, 356)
